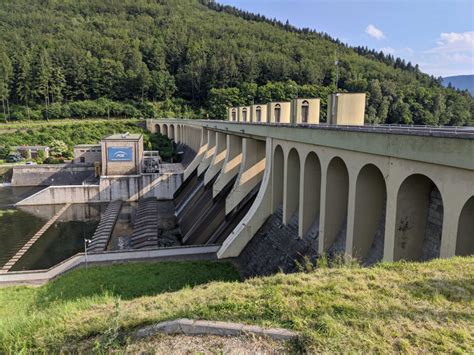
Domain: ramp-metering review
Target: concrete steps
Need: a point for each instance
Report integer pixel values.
(106, 226)
(7, 267)
(145, 229)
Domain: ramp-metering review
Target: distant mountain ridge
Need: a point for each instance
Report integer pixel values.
(461, 82)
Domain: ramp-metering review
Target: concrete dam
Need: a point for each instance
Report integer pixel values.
(273, 194)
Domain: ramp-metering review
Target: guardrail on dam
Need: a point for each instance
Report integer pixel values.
(374, 193)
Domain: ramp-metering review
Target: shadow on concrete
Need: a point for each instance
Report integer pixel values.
(129, 281)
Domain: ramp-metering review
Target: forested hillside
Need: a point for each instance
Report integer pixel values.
(191, 58)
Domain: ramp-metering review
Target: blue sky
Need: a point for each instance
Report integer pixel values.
(436, 34)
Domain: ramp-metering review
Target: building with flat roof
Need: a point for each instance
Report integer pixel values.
(87, 153)
(122, 154)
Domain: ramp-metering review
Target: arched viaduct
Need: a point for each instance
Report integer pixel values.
(373, 194)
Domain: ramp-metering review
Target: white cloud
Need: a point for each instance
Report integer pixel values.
(453, 54)
(454, 42)
(374, 32)
(387, 50)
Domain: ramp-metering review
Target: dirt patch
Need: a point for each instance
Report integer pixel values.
(209, 344)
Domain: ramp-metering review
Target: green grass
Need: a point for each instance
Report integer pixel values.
(38, 124)
(400, 307)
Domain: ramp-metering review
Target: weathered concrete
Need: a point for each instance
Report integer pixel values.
(110, 188)
(204, 327)
(55, 174)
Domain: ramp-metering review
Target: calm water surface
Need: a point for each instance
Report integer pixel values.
(62, 240)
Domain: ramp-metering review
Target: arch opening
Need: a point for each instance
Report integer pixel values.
(337, 192)
(304, 111)
(157, 129)
(369, 215)
(465, 235)
(234, 115)
(165, 130)
(277, 113)
(292, 195)
(244, 115)
(277, 178)
(419, 219)
(172, 136)
(258, 114)
(312, 195)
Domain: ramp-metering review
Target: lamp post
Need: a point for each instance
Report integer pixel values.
(86, 243)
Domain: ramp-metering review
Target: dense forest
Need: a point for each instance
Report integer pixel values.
(192, 58)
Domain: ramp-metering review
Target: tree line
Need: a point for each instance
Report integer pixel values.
(189, 58)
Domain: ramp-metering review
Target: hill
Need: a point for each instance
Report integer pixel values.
(191, 58)
(399, 307)
(461, 82)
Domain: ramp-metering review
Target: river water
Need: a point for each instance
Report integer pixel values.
(61, 241)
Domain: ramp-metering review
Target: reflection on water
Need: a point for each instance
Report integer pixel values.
(62, 240)
(17, 226)
(123, 228)
(11, 195)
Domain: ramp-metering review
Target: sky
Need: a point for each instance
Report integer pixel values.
(438, 35)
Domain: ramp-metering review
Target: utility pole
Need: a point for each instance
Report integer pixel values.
(336, 62)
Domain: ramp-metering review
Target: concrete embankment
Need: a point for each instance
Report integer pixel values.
(80, 260)
(51, 174)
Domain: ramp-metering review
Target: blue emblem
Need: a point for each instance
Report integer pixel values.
(120, 153)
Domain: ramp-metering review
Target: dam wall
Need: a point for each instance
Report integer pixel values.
(51, 174)
(110, 188)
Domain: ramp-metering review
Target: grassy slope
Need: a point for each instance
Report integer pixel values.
(414, 307)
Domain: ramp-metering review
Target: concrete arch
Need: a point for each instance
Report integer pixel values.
(419, 219)
(336, 202)
(369, 215)
(465, 235)
(157, 129)
(291, 198)
(277, 178)
(310, 195)
(165, 130)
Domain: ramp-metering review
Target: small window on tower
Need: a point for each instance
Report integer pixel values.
(304, 111)
(277, 113)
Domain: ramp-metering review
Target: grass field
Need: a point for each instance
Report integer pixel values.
(400, 307)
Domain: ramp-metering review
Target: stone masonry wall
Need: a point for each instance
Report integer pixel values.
(277, 247)
(434, 227)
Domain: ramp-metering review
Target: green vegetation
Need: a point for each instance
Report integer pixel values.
(399, 307)
(61, 137)
(189, 58)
